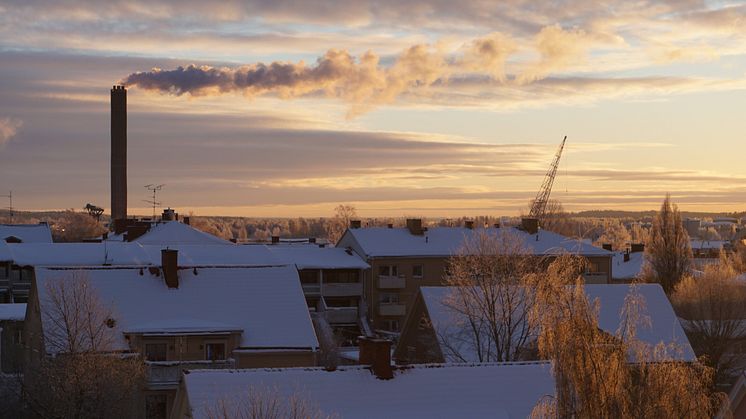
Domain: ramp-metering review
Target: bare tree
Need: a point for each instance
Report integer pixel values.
(265, 403)
(492, 277)
(714, 316)
(668, 253)
(338, 224)
(85, 377)
(604, 375)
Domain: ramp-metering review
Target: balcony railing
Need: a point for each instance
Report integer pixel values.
(392, 309)
(169, 372)
(339, 315)
(391, 282)
(311, 288)
(342, 289)
(596, 277)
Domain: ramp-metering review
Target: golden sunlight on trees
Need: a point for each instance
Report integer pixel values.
(603, 375)
(86, 378)
(493, 278)
(614, 233)
(668, 252)
(713, 314)
(338, 224)
(76, 226)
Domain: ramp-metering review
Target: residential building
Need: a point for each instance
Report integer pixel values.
(25, 233)
(404, 259)
(11, 337)
(627, 265)
(186, 318)
(436, 332)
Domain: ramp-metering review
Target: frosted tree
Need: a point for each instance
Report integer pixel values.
(668, 253)
(337, 225)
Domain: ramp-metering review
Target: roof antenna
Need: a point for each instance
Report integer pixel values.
(10, 205)
(153, 188)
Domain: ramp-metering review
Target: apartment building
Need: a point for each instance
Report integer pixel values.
(14, 284)
(404, 259)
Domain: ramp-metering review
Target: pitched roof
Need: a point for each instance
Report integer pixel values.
(15, 312)
(664, 325)
(230, 254)
(442, 391)
(315, 257)
(631, 269)
(172, 232)
(78, 254)
(267, 304)
(447, 241)
(28, 233)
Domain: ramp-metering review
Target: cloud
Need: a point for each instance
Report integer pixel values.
(8, 129)
(558, 48)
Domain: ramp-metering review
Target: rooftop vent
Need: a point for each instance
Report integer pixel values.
(414, 225)
(530, 225)
(355, 224)
(377, 354)
(170, 265)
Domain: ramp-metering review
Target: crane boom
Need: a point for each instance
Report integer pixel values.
(539, 206)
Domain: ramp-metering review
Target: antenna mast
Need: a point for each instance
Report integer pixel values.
(10, 204)
(539, 206)
(154, 188)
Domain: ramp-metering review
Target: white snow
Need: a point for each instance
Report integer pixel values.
(173, 232)
(315, 257)
(5, 254)
(631, 269)
(708, 244)
(664, 325)
(446, 241)
(423, 391)
(78, 254)
(211, 255)
(15, 312)
(267, 304)
(28, 233)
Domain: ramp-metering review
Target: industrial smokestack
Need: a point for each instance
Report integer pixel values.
(118, 153)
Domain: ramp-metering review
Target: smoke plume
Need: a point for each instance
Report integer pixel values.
(8, 129)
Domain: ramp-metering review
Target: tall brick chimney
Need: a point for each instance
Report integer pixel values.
(377, 354)
(118, 153)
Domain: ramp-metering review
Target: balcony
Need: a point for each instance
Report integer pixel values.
(596, 277)
(342, 289)
(391, 282)
(392, 309)
(311, 289)
(341, 315)
(168, 373)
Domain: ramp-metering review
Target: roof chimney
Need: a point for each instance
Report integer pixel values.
(118, 153)
(637, 247)
(376, 353)
(415, 226)
(626, 256)
(530, 225)
(275, 239)
(469, 224)
(607, 246)
(168, 215)
(170, 265)
(186, 220)
(355, 224)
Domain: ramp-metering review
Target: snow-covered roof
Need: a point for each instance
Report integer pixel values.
(664, 325)
(174, 232)
(447, 241)
(437, 391)
(5, 254)
(315, 257)
(209, 255)
(78, 254)
(28, 233)
(630, 269)
(15, 312)
(708, 244)
(267, 304)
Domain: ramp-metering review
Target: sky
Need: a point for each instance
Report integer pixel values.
(400, 108)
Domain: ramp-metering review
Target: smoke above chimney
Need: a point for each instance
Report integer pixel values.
(118, 153)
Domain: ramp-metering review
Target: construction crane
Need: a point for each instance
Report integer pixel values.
(539, 206)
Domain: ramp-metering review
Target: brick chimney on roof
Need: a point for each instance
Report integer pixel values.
(376, 353)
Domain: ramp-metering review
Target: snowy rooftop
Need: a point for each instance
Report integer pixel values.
(208, 255)
(174, 232)
(446, 241)
(28, 233)
(267, 304)
(78, 254)
(631, 269)
(708, 244)
(5, 254)
(315, 257)
(664, 325)
(436, 391)
(15, 312)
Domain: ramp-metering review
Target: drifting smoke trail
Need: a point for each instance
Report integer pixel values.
(363, 82)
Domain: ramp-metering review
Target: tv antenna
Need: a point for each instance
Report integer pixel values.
(10, 204)
(154, 188)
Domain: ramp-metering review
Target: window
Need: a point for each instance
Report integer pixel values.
(388, 270)
(391, 325)
(215, 351)
(156, 351)
(389, 298)
(156, 406)
(417, 271)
